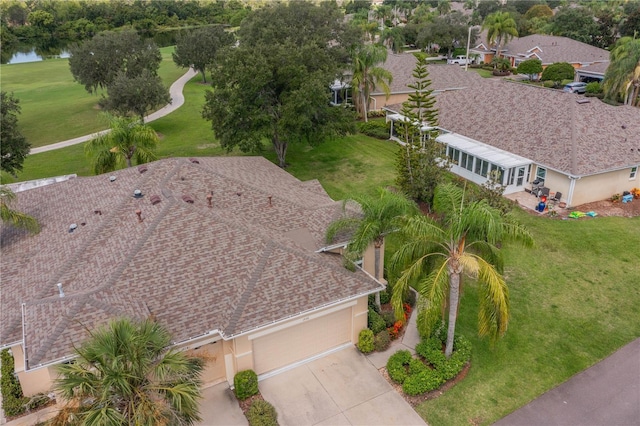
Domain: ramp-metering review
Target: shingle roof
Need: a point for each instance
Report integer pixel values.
(443, 77)
(551, 49)
(232, 267)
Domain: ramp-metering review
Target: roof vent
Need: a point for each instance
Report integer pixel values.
(209, 199)
(112, 178)
(139, 214)
(60, 291)
(72, 227)
(583, 101)
(137, 194)
(142, 168)
(155, 199)
(194, 160)
(98, 212)
(270, 204)
(187, 199)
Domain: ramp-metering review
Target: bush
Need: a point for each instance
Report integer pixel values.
(262, 413)
(246, 384)
(424, 381)
(375, 128)
(382, 341)
(13, 402)
(594, 87)
(385, 296)
(365, 341)
(375, 322)
(389, 318)
(396, 365)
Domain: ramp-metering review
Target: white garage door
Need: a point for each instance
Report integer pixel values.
(301, 341)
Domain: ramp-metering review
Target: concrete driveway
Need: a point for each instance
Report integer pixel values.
(342, 388)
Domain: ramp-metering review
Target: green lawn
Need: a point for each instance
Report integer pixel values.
(54, 106)
(574, 298)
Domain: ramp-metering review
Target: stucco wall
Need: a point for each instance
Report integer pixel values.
(557, 182)
(34, 381)
(603, 186)
(381, 100)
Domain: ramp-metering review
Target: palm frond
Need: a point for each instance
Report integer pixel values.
(493, 314)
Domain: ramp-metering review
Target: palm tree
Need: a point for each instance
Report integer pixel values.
(623, 74)
(462, 241)
(367, 75)
(380, 215)
(125, 375)
(501, 28)
(129, 139)
(14, 217)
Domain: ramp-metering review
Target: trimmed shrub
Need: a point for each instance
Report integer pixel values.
(594, 87)
(389, 318)
(397, 365)
(375, 128)
(424, 381)
(416, 366)
(13, 401)
(375, 322)
(262, 413)
(365, 341)
(246, 384)
(382, 341)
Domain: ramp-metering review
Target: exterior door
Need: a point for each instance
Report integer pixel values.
(520, 175)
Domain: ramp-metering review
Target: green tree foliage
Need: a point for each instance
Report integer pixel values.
(274, 85)
(13, 145)
(97, 62)
(631, 25)
(197, 49)
(448, 31)
(137, 95)
(436, 253)
(558, 72)
(127, 140)
(577, 23)
(380, 215)
(14, 217)
(12, 398)
(501, 28)
(367, 74)
(124, 375)
(418, 170)
(622, 78)
(531, 68)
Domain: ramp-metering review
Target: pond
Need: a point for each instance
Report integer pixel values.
(33, 56)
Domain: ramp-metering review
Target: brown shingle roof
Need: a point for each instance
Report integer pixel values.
(551, 49)
(232, 267)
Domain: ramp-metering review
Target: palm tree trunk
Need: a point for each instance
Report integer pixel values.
(376, 271)
(454, 296)
(364, 107)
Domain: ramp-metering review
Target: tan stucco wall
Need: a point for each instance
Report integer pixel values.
(369, 261)
(557, 182)
(381, 100)
(360, 312)
(603, 186)
(34, 381)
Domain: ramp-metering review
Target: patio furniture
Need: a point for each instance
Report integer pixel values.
(556, 197)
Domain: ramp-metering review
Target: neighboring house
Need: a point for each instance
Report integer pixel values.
(548, 49)
(590, 73)
(579, 146)
(227, 253)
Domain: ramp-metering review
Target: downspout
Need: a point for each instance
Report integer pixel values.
(572, 187)
(574, 154)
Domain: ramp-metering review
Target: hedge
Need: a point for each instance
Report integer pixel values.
(13, 401)
(246, 384)
(262, 413)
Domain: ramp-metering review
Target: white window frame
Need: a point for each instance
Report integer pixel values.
(634, 173)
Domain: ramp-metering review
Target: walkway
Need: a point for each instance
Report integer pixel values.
(177, 100)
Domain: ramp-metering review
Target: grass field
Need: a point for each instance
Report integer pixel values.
(574, 297)
(54, 106)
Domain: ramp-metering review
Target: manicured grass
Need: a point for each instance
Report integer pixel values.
(54, 106)
(574, 300)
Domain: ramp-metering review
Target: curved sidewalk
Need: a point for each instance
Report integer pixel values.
(177, 100)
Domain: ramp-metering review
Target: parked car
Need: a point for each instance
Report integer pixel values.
(460, 60)
(576, 87)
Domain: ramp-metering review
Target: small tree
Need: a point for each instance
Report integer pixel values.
(558, 72)
(13, 145)
(198, 48)
(136, 95)
(531, 68)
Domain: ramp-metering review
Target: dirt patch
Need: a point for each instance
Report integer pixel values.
(610, 208)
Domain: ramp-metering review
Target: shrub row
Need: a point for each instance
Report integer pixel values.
(375, 128)
(262, 413)
(13, 401)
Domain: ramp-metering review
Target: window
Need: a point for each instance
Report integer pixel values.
(541, 173)
(634, 173)
(482, 167)
(453, 154)
(466, 161)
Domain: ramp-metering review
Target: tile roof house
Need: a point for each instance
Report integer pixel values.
(227, 253)
(579, 146)
(548, 49)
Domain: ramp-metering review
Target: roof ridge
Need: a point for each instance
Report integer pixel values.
(255, 276)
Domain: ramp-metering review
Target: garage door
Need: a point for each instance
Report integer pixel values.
(301, 341)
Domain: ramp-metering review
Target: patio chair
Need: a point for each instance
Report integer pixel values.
(556, 197)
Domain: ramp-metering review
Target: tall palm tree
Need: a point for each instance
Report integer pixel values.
(501, 28)
(129, 139)
(623, 74)
(125, 375)
(367, 75)
(14, 217)
(461, 241)
(380, 216)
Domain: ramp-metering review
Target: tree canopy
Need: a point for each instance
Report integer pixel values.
(530, 68)
(622, 77)
(198, 48)
(97, 62)
(558, 72)
(501, 28)
(125, 374)
(274, 85)
(448, 31)
(14, 146)
(367, 74)
(137, 95)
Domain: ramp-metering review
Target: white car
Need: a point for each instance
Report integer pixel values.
(460, 60)
(575, 87)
